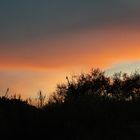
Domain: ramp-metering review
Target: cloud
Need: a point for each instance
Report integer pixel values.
(127, 67)
(35, 19)
(100, 47)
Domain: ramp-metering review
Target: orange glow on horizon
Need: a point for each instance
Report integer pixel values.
(99, 48)
(69, 53)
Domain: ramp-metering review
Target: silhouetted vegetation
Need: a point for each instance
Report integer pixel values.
(89, 106)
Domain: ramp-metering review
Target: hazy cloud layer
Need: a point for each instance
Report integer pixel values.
(23, 20)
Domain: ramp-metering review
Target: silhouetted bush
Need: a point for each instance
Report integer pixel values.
(90, 106)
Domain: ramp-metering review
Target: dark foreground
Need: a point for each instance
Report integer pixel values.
(91, 107)
(101, 121)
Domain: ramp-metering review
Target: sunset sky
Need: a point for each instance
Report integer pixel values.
(43, 41)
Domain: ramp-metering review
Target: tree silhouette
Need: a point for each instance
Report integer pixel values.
(89, 106)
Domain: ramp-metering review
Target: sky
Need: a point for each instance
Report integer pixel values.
(43, 41)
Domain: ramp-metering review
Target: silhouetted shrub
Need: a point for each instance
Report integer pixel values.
(89, 106)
